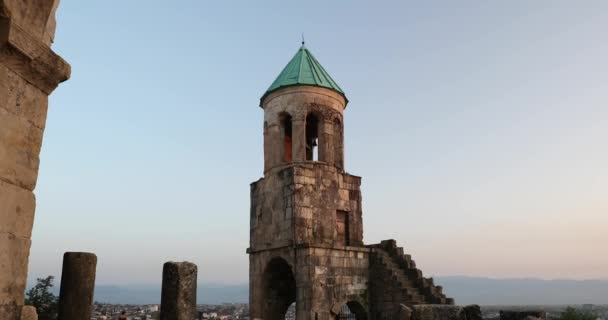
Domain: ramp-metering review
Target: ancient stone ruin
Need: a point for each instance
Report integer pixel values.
(306, 243)
(29, 72)
(178, 297)
(306, 233)
(77, 285)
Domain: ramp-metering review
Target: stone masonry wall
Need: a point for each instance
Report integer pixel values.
(336, 276)
(293, 217)
(312, 193)
(29, 72)
(320, 191)
(271, 218)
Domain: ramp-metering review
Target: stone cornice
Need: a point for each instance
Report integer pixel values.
(288, 244)
(30, 58)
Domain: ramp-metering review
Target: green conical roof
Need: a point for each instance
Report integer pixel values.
(304, 69)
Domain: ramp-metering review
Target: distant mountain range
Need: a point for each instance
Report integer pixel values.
(486, 291)
(150, 294)
(466, 290)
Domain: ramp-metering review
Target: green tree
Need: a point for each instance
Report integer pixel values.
(573, 314)
(43, 299)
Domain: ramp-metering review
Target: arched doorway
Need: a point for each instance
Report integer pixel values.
(352, 310)
(279, 289)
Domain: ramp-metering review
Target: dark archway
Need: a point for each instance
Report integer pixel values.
(286, 132)
(312, 137)
(352, 310)
(279, 289)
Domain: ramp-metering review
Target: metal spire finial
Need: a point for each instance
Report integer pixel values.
(303, 42)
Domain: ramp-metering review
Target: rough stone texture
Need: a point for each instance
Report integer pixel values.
(473, 312)
(405, 313)
(522, 315)
(28, 313)
(178, 298)
(77, 285)
(437, 312)
(29, 72)
(306, 227)
(306, 197)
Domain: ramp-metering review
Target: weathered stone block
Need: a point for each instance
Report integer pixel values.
(22, 99)
(16, 210)
(14, 252)
(28, 313)
(9, 311)
(178, 298)
(20, 143)
(77, 285)
(404, 313)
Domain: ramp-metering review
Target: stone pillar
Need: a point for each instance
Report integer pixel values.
(178, 298)
(29, 72)
(326, 142)
(298, 139)
(77, 286)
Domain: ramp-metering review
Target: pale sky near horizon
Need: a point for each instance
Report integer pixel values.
(480, 129)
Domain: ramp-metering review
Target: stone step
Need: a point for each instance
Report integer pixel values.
(400, 269)
(410, 291)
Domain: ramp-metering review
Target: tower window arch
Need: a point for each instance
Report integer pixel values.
(286, 128)
(312, 137)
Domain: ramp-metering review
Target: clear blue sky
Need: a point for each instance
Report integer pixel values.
(479, 128)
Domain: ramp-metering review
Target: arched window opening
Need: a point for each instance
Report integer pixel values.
(287, 137)
(338, 144)
(312, 138)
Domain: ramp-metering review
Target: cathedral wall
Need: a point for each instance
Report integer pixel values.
(29, 72)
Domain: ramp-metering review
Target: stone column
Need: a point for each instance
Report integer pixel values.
(178, 298)
(77, 286)
(29, 72)
(298, 139)
(326, 142)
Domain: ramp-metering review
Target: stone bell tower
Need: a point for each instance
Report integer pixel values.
(306, 232)
(306, 242)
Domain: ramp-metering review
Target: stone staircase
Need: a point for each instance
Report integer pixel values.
(395, 280)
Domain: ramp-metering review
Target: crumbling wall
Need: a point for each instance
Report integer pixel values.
(29, 72)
